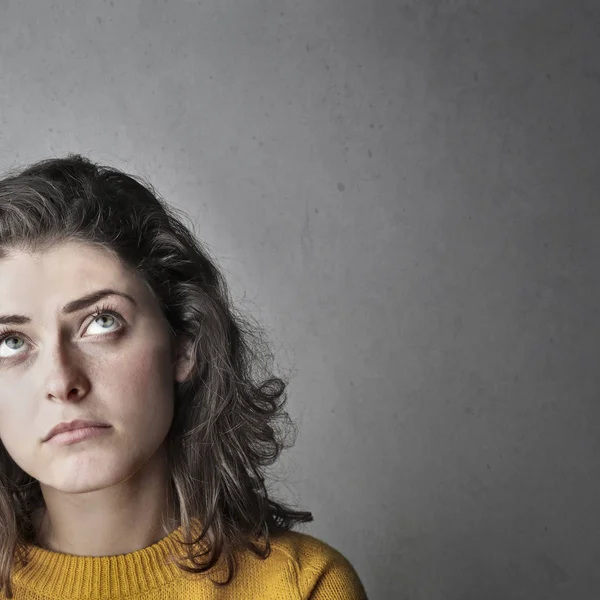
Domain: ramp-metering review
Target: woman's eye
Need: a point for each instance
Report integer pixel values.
(104, 322)
(10, 344)
(109, 317)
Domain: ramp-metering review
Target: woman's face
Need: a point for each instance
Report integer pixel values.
(59, 366)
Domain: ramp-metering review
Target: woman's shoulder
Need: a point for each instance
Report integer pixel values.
(320, 570)
(304, 549)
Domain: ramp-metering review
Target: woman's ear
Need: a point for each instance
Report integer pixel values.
(182, 364)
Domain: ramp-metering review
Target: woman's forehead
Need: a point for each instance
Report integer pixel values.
(70, 262)
(61, 275)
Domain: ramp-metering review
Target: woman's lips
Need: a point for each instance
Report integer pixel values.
(77, 435)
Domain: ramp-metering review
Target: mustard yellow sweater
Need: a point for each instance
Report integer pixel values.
(299, 567)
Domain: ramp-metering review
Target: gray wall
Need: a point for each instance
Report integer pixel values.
(406, 195)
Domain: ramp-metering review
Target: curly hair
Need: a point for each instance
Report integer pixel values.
(229, 417)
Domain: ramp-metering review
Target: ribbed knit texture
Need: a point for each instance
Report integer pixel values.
(299, 567)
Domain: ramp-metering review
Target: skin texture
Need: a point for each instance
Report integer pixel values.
(62, 367)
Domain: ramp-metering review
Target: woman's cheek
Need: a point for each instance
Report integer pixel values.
(17, 415)
(143, 382)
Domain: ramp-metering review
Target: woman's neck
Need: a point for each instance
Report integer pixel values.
(122, 518)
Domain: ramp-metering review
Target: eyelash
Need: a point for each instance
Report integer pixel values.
(104, 309)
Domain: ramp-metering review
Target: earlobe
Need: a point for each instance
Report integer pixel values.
(183, 362)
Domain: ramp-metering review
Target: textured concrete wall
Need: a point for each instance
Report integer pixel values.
(406, 195)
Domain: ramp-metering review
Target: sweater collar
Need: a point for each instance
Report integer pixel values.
(58, 575)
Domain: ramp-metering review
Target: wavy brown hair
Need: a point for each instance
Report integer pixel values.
(229, 421)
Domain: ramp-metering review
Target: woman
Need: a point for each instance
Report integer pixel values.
(134, 431)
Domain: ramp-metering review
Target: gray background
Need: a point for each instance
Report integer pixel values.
(406, 195)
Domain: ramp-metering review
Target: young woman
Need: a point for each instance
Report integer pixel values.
(134, 427)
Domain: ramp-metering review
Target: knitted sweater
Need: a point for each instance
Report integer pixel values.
(299, 567)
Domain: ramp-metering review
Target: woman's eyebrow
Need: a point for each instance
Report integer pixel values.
(71, 307)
